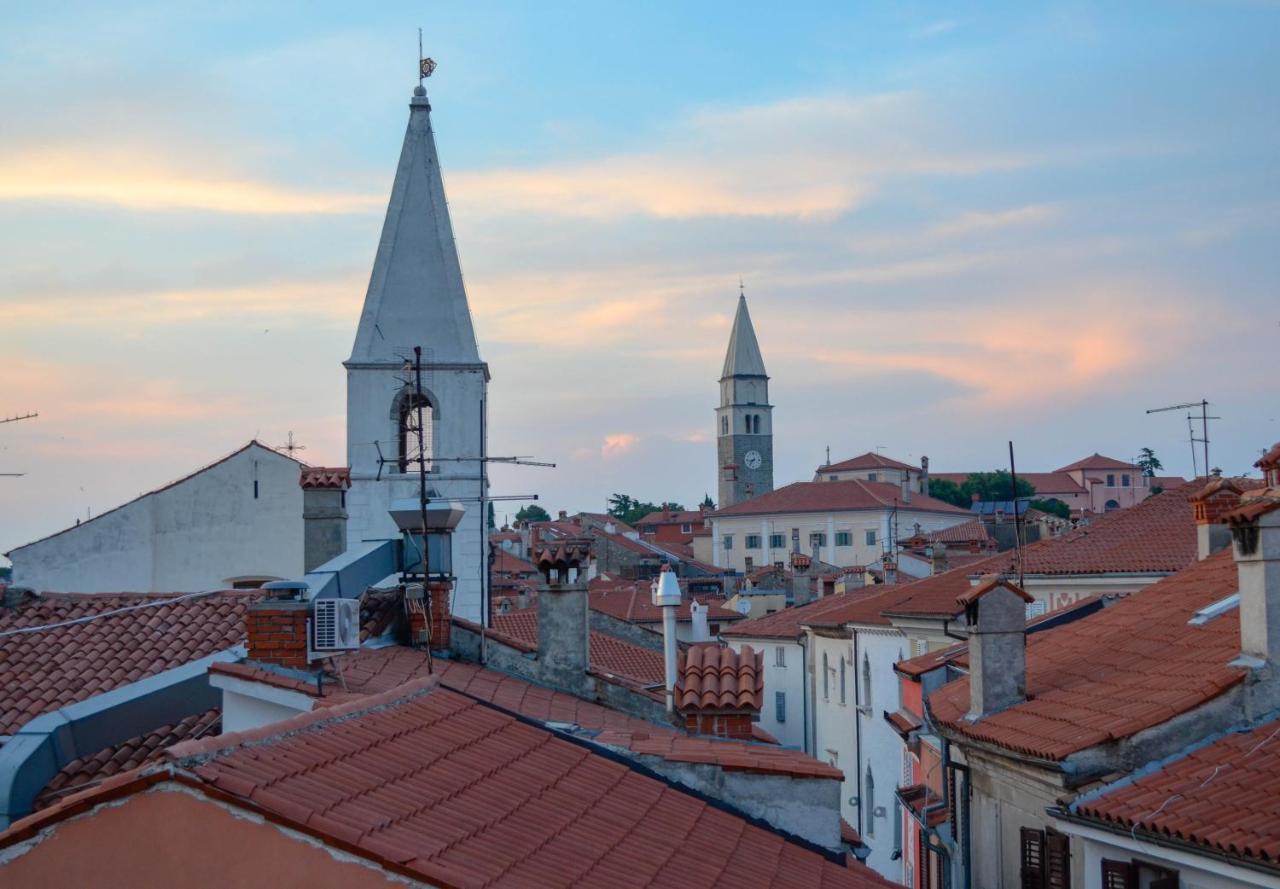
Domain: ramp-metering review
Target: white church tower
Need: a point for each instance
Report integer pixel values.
(744, 419)
(416, 298)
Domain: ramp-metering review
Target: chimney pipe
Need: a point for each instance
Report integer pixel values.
(324, 513)
(564, 634)
(996, 614)
(924, 476)
(666, 595)
(1255, 531)
(698, 614)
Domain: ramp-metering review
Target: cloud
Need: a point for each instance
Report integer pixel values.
(809, 158)
(141, 178)
(617, 444)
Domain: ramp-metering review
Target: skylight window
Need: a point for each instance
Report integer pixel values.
(1209, 612)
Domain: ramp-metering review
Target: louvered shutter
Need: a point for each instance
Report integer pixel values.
(1118, 875)
(1032, 859)
(1057, 860)
(1168, 881)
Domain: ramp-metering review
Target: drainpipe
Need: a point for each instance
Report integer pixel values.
(857, 732)
(804, 692)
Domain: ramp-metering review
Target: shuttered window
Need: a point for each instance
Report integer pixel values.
(1032, 858)
(1118, 875)
(1046, 859)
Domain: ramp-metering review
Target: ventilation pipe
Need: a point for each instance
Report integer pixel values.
(666, 595)
(698, 614)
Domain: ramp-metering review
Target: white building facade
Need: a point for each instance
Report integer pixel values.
(236, 522)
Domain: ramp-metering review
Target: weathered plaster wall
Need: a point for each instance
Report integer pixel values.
(788, 678)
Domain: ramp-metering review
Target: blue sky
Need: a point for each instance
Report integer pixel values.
(957, 225)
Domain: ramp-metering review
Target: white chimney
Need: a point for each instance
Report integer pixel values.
(701, 631)
(666, 595)
(906, 486)
(1255, 532)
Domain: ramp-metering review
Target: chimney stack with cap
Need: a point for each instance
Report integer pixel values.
(564, 636)
(995, 611)
(324, 513)
(1255, 530)
(1209, 505)
(720, 691)
(277, 627)
(924, 476)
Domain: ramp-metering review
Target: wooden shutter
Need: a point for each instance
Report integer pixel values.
(1033, 872)
(1118, 875)
(1168, 881)
(1057, 860)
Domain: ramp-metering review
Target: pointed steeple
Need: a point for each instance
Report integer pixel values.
(415, 295)
(743, 357)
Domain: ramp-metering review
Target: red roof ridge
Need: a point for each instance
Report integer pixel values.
(973, 594)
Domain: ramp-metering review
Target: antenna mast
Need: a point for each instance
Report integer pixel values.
(1204, 419)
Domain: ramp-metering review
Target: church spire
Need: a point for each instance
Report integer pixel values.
(743, 357)
(416, 296)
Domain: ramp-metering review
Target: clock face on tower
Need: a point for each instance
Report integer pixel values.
(752, 459)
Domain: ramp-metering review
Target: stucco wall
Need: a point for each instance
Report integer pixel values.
(198, 534)
(169, 837)
(881, 747)
(789, 680)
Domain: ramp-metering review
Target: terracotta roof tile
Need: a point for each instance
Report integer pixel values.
(338, 477)
(851, 494)
(974, 593)
(711, 678)
(609, 654)
(789, 622)
(1116, 672)
(1222, 796)
(868, 460)
(46, 669)
(632, 601)
(488, 800)
(1097, 461)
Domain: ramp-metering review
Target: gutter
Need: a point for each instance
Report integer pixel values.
(45, 744)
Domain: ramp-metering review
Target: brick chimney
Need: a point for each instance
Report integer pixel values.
(1209, 505)
(564, 636)
(995, 611)
(1270, 466)
(1255, 531)
(719, 691)
(324, 513)
(277, 630)
(430, 621)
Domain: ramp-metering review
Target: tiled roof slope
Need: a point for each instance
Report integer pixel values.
(733, 757)
(1224, 796)
(465, 795)
(509, 563)
(633, 602)
(962, 533)
(867, 461)
(709, 677)
(1097, 461)
(609, 654)
(850, 494)
(46, 669)
(672, 517)
(787, 623)
(80, 774)
(1114, 673)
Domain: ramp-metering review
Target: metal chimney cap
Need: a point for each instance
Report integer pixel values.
(666, 590)
(442, 515)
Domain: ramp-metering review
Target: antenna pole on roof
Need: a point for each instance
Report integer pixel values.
(1204, 419)
(1017, 515)
(418, 399)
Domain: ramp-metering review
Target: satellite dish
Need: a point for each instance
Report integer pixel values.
(744, 607)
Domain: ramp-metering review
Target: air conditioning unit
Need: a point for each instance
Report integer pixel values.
(335, 624)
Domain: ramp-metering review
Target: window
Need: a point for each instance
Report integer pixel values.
(871, 476)
(686, 528)
(780, 705)
(714, 629)
(842, 680)
(779, 656)
(1111, 480)
(871, 537)
(724, 425)
(728, 541)
(1112, 504)
(777, 541)
(1046, 858)
(833, 478)
(1137, 875)
(826, 678)
(866, 682)
(1124, 481)
(870, 794)
(412, 441)
(753, 541)
(817, 538)
(750, 563)
(844, 538)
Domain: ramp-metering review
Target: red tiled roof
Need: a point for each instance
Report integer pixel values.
(672, 517)
(902, 722)
(466, 795)
(1097, 461)
(733, 756)
(509, 563)
(632, 602)
(868, 460)
(1223, 796)
(325, 477)
(709, 677)
(788, 623)
(46, 669)
(974, 593)
(931, 660)
(852, 494)
(1270, 459)
(848, 834)
(83, 773)
(965, 532)
(1116, 672)
(1254, 508)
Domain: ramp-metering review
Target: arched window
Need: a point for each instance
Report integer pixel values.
(842, 681)
(756, 424)
(870, 795)
(826, 678)
(409, 441)
(1112, 504)
(724, 425)
(866, 681)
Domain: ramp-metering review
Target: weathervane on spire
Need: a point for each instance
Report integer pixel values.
(425, 65)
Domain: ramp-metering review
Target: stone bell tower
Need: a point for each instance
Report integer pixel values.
(744, 420)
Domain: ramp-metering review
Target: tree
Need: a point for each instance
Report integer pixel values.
(493, 518)
(707, 503)
(996, 485)
(626, 508)
(1148, 462)
(532, 513)
(948, 491)
(1053, 506)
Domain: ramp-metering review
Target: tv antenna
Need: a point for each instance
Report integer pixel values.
(290, 446)
(29, 416)
(1204, 419)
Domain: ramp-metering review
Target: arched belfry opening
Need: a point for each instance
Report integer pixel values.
(410, 442)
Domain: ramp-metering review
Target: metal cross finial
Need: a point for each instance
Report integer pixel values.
(425, 65)
(741, 289)
(290, 446)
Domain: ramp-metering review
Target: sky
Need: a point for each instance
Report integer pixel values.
(957, 225)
